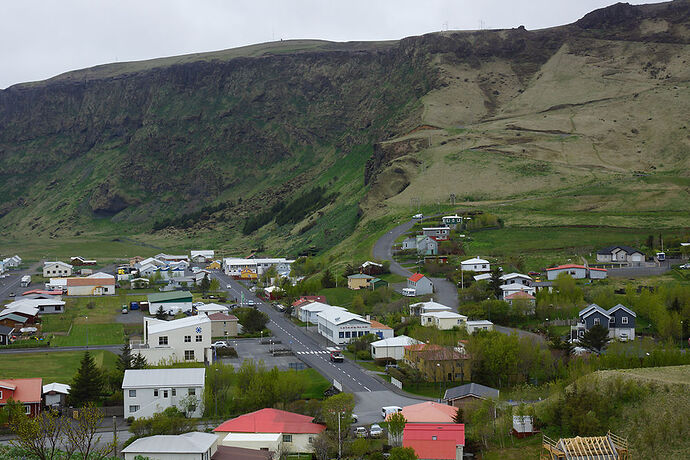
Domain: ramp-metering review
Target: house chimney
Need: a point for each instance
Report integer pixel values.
(367, 317)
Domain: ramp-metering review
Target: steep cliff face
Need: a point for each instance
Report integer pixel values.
(222, 136)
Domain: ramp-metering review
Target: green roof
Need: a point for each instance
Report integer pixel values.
(14, 317)
(170, 296)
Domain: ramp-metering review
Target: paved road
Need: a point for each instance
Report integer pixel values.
(10, 284)
(445, 292)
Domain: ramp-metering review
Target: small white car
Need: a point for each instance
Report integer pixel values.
(220, 344)
(229, 286)
(250, 302)
(354, 418)
(375, 431)
(361, 432)
(684, 267)
(418, 216)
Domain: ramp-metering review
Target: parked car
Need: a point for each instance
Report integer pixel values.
(11, 294)
(375, 431)
(684, 267)
(387, 410)
(134, 305)
(361, 432)
(354, 418)
(229, 286)
(125, 310)
(418, 216)
(220, 344)
(250, 302)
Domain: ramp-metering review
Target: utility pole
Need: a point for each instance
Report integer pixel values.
(340, 440)
(115, 435)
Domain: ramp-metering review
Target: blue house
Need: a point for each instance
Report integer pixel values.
(619, 320)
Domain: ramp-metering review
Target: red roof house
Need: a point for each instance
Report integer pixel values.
(27, 391)
(435, 441)
(271, 421)
(420, 283)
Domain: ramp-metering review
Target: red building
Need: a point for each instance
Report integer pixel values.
(26, 391)
(435, 441)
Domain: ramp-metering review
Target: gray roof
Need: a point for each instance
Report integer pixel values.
(585, 312)
(188, 443)
(471, 389)
(621, 307)
(4, 330)
(628, 250)
(146, 378)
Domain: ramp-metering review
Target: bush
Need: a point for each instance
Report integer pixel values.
(226, 351)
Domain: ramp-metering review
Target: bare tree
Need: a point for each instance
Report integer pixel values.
(82, 435)
(39, 435)
(322, 446)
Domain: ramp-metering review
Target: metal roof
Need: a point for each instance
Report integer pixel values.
(165, 326)
(149, 378)
(188, 443)
(471, 389)
(168, 296)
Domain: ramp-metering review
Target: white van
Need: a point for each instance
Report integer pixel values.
(409, 292)
(388, 410)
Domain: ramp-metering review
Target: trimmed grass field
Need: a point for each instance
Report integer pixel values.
(98, 334)
(316, 384)
(51, 366)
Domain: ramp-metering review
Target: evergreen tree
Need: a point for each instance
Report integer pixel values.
(124, 362)
(139, 362)
(88, 382)
(327, 280)
(160, 313)
(205, 284)
(459, 416)
(495, 282)
(596, 338)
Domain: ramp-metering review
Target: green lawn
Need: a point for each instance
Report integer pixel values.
(517, 449)
(340, 296)
(316, 384)
(52, 367)
(98, 310)
(393, 278)
(98, 334)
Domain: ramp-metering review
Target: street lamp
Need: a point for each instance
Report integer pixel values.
(438, 365)
(87, 331)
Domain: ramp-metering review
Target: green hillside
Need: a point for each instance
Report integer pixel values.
(322, 145)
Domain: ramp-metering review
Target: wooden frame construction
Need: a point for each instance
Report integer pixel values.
(609, 447)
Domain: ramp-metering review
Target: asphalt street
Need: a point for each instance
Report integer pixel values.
(445, 292)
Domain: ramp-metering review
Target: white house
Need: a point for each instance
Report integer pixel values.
(409, 243)
(97, 284)
(147, 270)
(393, 348)
(380, 330)
(149, 391)
(475, 265)
(55, 394)
(576, 272)
(168, 258)
(187, 446)
(11, 262)
(510, 289)
(308, 313)
(621, 255)
(233, 266)
(202, 256)
(172, 301)
(341, 326)
(427, 245)
(442, 319)
(57, 284)
(452, 221)
(421, 284)
(416, 309)
(180, 340)
(442, 233)
(479, 325)
(211, 308)
(56, 269)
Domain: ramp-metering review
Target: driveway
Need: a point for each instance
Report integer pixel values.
(445, 292)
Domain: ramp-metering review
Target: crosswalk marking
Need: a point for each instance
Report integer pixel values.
(311, 352)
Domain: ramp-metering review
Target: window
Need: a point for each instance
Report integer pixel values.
(191, 391)
(612, 320)
(155, 393)
(341, 334)
(198, 338)
(187, 338)
(597, 321)
(174, 392)
(581, 333)
(0, 394)
(27, 409)
(624, 320)
(347, 334)
(165, 393)
(287, 438)
(132, 393)
(163, 340)
(188, 354)
(133, 409)
(311, 439)
(58, 307)
(433, 438)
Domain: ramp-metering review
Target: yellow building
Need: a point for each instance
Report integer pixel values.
(437, 363)
(359, 281)
(248, 274)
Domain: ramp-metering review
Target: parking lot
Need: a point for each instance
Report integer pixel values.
(254, 350)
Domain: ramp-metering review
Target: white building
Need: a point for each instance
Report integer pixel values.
(443, 320)
(509, 289)
(576, 272)
(56, 269)
(380, 330)
(211, 308)
(233, 266)
(57, 284)
(342, 326)
(393, 348)
(150, 391)
(416, 309)
(44, 306)
(202, 256)
(452, 221)
(308, 313)
(479, 325)
(187, 446)
(11, 262)
(476, 265)
(55, 394)
(167, 258)
(97, 284)
(180, 340)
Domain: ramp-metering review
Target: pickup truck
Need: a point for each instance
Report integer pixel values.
(335, 354)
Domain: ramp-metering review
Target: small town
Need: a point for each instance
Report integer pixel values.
(308, 230)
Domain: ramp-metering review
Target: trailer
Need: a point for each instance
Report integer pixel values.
(25, 281)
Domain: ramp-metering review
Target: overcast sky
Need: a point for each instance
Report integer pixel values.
(40, 39)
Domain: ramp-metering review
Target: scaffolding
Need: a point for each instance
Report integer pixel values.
(609, 447)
